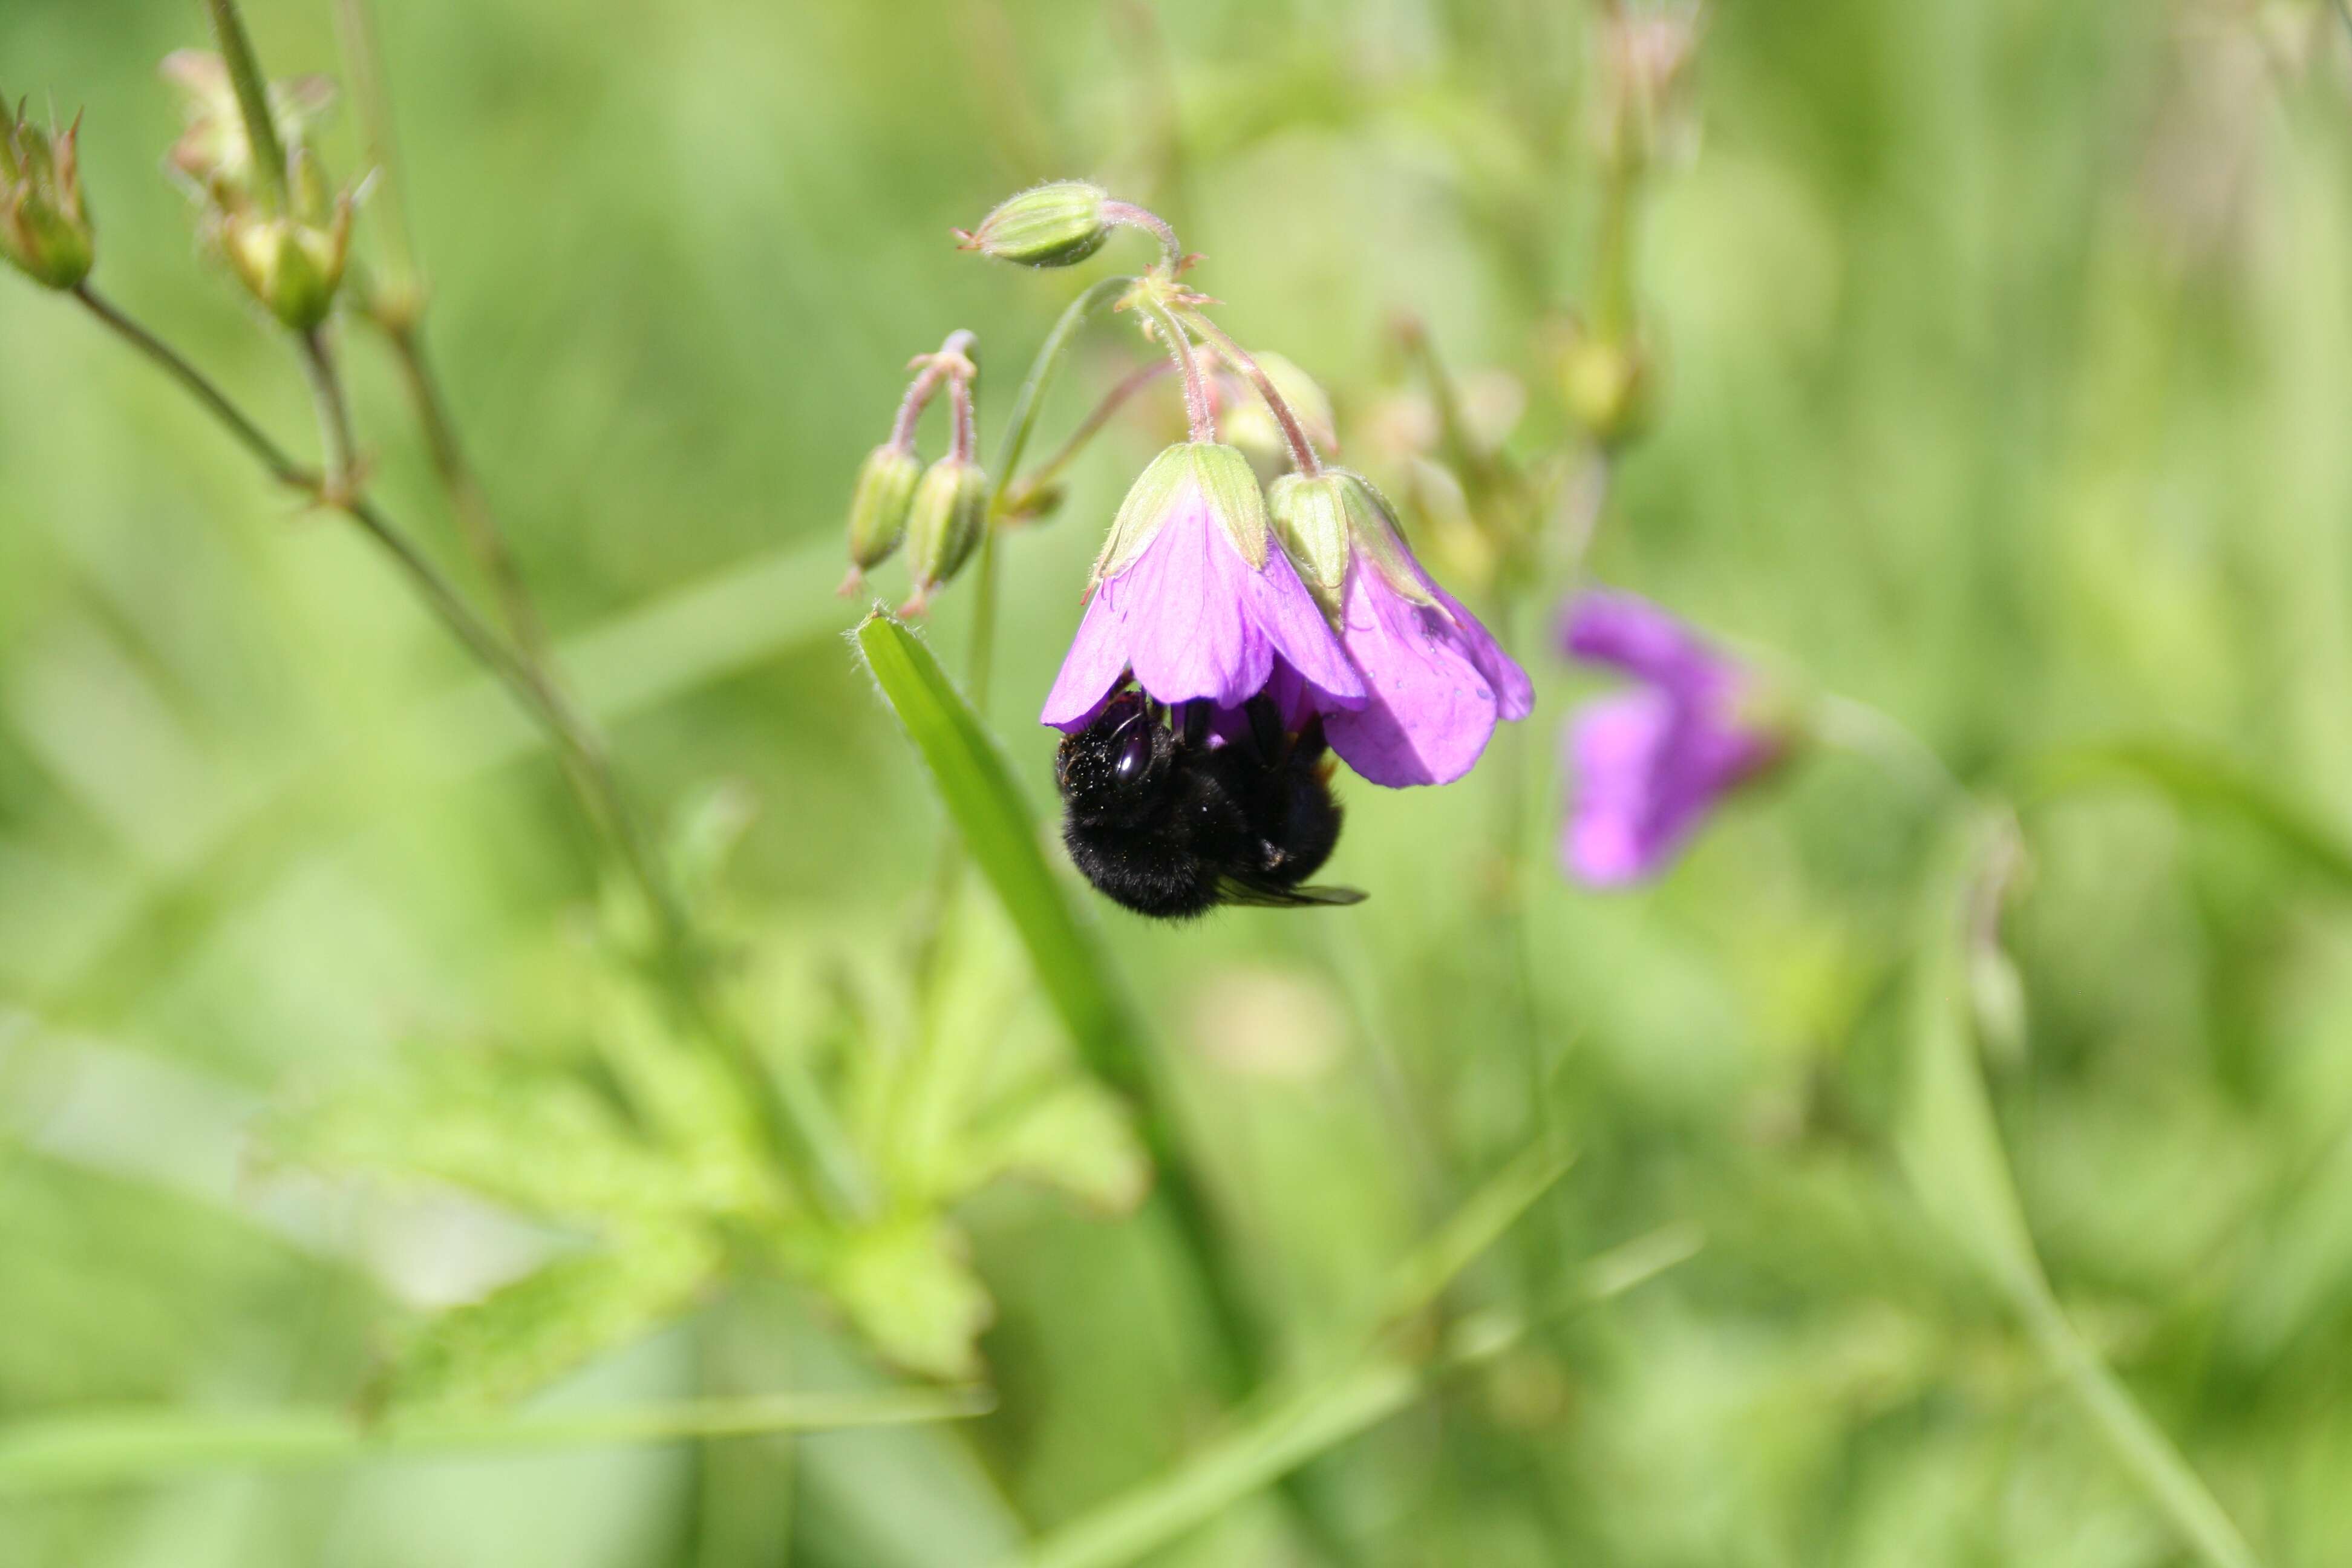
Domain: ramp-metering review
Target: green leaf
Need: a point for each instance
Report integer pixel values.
(1000, 831)
(105, 1447)
(547, 1323)
(909, 1289)
(1949, 1144)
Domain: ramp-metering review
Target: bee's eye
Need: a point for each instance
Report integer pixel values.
(1133, 758)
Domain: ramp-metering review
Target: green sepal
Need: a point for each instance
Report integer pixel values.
(1219, 475)
(946, 520)
(879, 505)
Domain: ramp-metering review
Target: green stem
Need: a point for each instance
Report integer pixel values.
(334, 415)
(1026, 405)
(1201, 423)
(252, 98)
(1172, 252)
(388, 210)
(272, 457)
(1294, 434)
(478, 524)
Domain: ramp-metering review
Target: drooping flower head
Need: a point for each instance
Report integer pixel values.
(1648, 765)
(1194, 596)
(1435, 682)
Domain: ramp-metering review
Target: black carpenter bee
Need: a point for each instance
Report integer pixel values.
(1170, 823)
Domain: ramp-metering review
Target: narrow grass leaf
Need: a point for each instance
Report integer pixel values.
(2201, 780)
(1000, 831)
(103, 1448)
(1290, 1431)
(1951, 1150)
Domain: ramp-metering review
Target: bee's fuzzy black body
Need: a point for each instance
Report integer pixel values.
(1168, 824)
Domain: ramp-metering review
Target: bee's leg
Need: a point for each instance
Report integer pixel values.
(1266, 729)
(1194, 727)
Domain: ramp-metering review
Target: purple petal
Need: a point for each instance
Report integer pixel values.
(1431, 709)
(1294, 623)
(1190, 630)
(1634, 635)
(1096, 659)
(1614, 746)
(1515, 695)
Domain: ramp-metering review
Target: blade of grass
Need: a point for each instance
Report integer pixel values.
(2199, 781)
(107, 1447)
(1001, 830)
(1291, 1431)
(1951, 1150)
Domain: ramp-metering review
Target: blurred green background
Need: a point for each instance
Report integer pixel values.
(2005, 364)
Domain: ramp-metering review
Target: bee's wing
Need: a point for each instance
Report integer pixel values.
(1271, 895)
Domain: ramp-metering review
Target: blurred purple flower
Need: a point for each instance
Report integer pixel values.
(1193, 618)
(1650, 764)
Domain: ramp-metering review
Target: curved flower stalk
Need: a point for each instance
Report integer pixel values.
(1649, 765)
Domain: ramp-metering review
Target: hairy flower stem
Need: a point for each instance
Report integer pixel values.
(981, 655)
(1127, 214)
(252, 89)
(1200, 420)
(798, 1127)
(1294, 434)
(941, 365)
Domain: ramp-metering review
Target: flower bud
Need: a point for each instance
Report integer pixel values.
(1331, 518)
(945, 522)
(291, 266)
(45, 230)
(1053, 224)
(293, 259)
(877, 508)
(1606, 383)
(214, 152)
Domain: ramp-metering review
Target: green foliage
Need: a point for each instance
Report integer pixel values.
(1991, 361)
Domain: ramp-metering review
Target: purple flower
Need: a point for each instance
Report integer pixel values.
(1651, 762)
(1193, 595)
(1436, 682)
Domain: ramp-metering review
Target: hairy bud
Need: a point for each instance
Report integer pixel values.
(944, 524)
(1329, 519)
(1053, 225)
(45, 230)
(877, 508)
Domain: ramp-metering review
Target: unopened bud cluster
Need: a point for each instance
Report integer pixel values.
(45, 230)
(940, 513)
(287, 232)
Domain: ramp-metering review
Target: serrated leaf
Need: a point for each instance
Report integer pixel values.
(527, 1134)
(908, 1289)
(1073, 1138)
(547, 1323)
